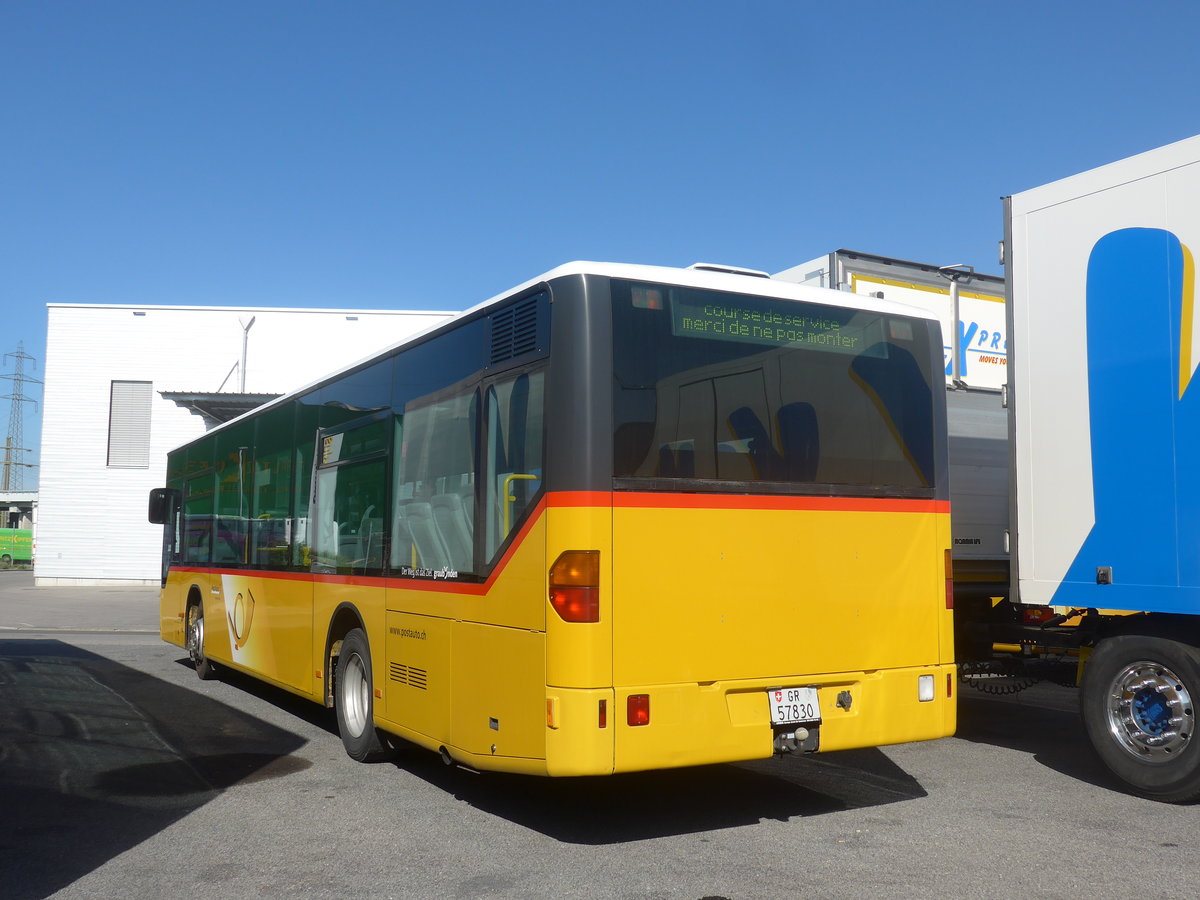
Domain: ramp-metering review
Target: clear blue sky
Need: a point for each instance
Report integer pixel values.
(426, 156)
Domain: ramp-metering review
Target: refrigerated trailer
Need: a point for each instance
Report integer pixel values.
(1104, 419)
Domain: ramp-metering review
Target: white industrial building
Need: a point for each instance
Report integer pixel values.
(126, 384)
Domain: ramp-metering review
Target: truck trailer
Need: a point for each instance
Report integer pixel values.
(1074, 431)
(1104, 422)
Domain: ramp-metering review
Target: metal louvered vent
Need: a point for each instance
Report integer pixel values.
(410, 675)
(515, 329)
(129, 424)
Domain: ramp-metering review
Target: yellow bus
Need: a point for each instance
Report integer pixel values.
(619, 518)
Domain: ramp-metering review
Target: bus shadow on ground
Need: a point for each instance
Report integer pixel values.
(618, 808)
(296, 706)
(96, 757)
(621, 808)
(1042, 721)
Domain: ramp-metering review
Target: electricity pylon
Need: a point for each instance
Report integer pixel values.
(14, 449)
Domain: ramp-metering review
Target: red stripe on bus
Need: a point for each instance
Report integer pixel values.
(654, 500)
(645, 500)
(597, 499)
(579, 498)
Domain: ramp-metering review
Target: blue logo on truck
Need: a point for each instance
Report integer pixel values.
(988, 347)
(1145, 428)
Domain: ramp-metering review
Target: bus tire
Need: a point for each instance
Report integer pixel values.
(206, 669)
(354, 701)
(1138, 701)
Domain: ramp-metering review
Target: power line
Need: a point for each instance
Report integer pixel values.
(14, 449)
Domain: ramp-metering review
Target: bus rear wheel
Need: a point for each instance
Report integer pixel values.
(1138, 702)
(206, 669)
(354, 700)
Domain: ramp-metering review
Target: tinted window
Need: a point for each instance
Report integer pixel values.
(234, 482)
(348, 527)
(434, 510)
(436, 364)
(366, 390)
(198, 519)
(514, 455)
(731, 388)
(271, 488)
(306, 432)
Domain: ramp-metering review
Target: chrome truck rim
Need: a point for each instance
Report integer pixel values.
(1150, 711)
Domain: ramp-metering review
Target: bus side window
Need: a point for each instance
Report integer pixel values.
(514, 455)
(198, 519)
(269, 525)
(349, 516)
(433, 514)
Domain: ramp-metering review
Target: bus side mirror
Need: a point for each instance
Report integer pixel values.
(163, 502)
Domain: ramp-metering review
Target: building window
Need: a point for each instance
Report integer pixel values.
(129, 425)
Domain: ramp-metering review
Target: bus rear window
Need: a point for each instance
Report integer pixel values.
(731, 388)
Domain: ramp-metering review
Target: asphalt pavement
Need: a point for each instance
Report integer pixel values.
(95, 609)
(122, 774)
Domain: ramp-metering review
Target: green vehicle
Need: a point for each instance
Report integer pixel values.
(16, 547)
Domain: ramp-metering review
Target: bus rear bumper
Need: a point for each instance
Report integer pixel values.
(701, 724)
(591, 731)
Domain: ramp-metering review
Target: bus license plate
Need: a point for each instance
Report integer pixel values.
(791, 706)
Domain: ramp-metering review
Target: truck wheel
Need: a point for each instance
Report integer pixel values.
(5, 560)
(205, 667)
(1138, 705)
(354, 701)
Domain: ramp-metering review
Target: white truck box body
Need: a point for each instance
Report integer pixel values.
(1106, 431)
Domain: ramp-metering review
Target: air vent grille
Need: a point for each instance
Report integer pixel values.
(515, 329)
(410, 675)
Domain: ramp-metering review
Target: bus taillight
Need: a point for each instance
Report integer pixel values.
(575, 585)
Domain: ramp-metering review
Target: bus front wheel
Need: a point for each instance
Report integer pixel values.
(205, 667)
(354, 700)
(1138, 704)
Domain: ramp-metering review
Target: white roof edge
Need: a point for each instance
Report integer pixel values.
(712, 280)
(699, 278)
(1122, 171)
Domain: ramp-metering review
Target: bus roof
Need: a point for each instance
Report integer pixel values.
(710, 279)
(701, 277)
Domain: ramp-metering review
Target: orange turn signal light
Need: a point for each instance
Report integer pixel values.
(575, 585)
